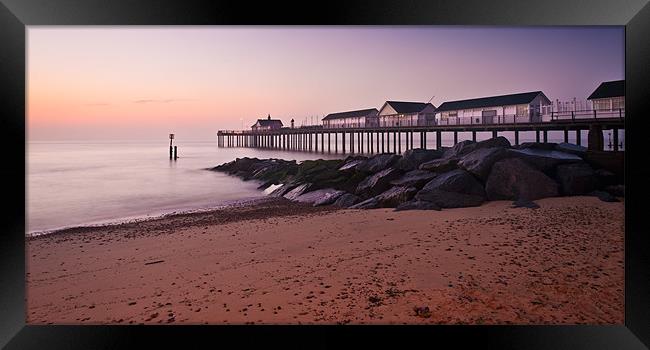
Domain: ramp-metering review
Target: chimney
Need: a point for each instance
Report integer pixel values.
(269, 117)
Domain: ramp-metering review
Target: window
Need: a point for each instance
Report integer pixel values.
(522, 110)
(618, 103)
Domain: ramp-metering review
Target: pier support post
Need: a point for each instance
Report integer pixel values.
(395, 142)
(578, 137)
(545, 133)
(411, 140)
(566, 135)
(615, 132)
(343, 139)
(595, 138)
(455, 137)
(537, 136)
(175, 152)
(424, 141)
(322, 142)
(382, 142)
(474, 136)
(438, 140)
(399, 142)
(494, 134)
(516, 138)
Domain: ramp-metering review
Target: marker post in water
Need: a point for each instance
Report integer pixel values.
(171, 138)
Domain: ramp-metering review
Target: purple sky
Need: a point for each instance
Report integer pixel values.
(141, 83)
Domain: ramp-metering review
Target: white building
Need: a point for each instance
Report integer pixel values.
(267, 124)
(609, 96)
(520, 108)
(397, 113)
(351, 119)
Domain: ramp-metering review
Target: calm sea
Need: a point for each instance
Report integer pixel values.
(86, 183)
(81, 183)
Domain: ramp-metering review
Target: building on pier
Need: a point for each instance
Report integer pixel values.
(609, 96)
(399, 113)
(351, 119)
(514, 108)
(267, 124)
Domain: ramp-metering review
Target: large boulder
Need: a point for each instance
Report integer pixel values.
(417, 205)
(580, 151)
(370, 203)
(377, 183)
(378, 163)
(416, 178)
(351, 163)
(322, 195)
(479, 162)
(329, 198)
(545, 160)
(297, 191)
(514, 179)
(396, 196)
(576, 178)
(464, 147)
(412, 158)
(453, 189)
(548, 146)
(440, 165)
(498, 141)
(283, 189)
(459, 149)
(346, 200)
(616, 190)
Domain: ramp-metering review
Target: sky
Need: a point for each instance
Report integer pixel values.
(141, 83)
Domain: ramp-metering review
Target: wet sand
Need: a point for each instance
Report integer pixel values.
(279, 262)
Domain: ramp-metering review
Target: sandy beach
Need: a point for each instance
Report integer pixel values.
(279, 262)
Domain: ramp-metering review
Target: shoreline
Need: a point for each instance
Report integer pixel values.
(280, 262)
(146, 217)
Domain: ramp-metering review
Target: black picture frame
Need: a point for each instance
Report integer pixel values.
(15, 15)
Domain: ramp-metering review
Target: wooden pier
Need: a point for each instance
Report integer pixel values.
(388, 139)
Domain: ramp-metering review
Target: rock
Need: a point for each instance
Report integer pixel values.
(282, 190)
(346, 200)
(605, 177)
(440, 165)
(378, 163)
(416, 178)
(370, 203)
(480, 161)
(524, 203)
(412, 158)
(513, 179)
(297, 191)
(352, 162)
(396, 196)
(464, 147)
(318, 195)
(549, 146)
(604, 196)
(329, 198)
(571, 148)
(417, 205)
(498, 141)
(576, 178)
(377, 183)
(545, 160)
(453, 189)
(616, 190)
(459, 149)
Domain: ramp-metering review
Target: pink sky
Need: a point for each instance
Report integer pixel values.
(142, 83)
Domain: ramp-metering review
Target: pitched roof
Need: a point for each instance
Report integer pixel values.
(502, 100)
(269, 122)
(351, 114)
(408, 107)
(609, 89)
